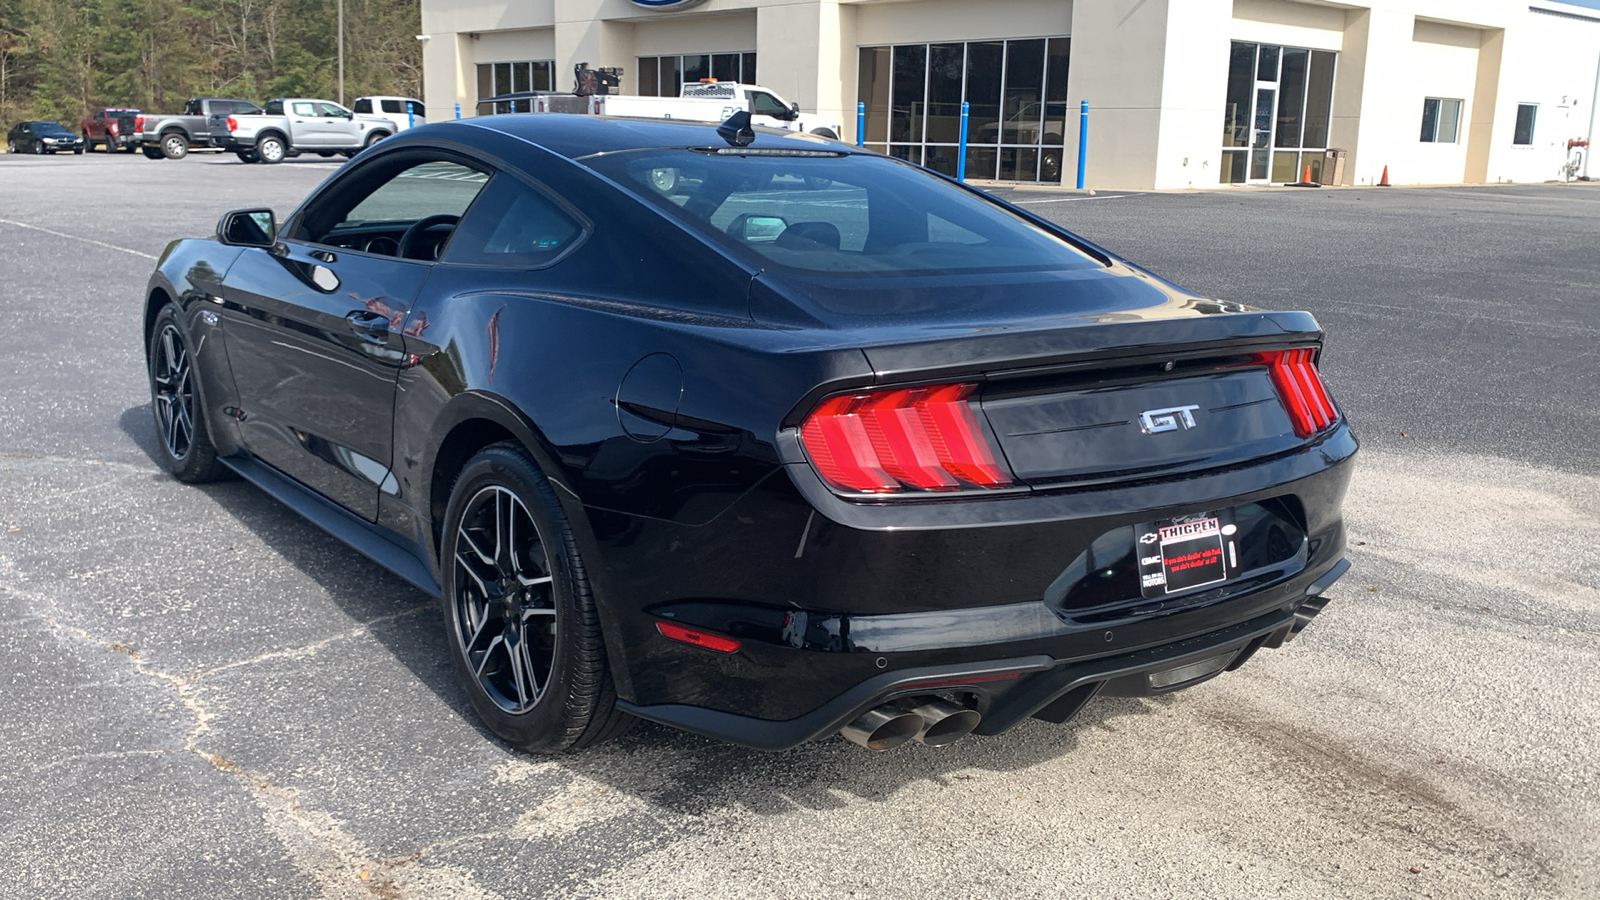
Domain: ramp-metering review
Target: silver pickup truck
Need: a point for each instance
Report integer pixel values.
(290, 126)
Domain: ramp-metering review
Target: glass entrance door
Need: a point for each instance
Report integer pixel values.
(1261, 135)
(1277, 114)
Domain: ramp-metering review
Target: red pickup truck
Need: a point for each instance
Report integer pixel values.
(112, 126)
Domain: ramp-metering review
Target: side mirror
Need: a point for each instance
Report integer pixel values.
(248, 228)
(794, 111)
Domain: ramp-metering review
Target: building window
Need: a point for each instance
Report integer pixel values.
(1277, 113)
(1441, 120)
(1016, 95)
(498, 79)
(1526, 113)
(665, 76)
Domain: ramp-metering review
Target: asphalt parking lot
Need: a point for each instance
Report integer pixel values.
(202, 696)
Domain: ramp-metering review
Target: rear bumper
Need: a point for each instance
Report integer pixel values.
(1008, 690)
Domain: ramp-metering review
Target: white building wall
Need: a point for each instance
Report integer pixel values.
(1153, 71)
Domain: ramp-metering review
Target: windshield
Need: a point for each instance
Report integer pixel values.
(842, 214)
(48, 128)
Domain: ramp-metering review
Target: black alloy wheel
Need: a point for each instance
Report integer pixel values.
(174, 146)
(38, 148)
(186, 449)
(520, 617)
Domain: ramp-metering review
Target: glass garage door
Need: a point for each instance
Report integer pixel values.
(1279, 105)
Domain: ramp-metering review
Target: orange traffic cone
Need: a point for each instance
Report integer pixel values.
(1307, 176)
(1384, 181)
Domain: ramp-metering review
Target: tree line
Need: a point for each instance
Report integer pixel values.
(61, 58)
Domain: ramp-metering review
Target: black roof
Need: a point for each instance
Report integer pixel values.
(573, 136)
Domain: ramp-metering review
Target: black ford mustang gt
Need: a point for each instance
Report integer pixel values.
(755, 434)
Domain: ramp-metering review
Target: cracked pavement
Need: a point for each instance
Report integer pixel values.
(203, 696)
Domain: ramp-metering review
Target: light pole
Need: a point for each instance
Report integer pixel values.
(341, 52)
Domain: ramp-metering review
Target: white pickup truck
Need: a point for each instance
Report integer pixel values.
(708, 101)
(290, 126)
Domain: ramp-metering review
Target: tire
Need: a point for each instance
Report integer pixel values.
(87, 144)
(1050, 159)
(174, 145)
(325, 154)
(374, 137)
(185, 445)
(77, 151)
(271, 149)
(38, 148)
(349, 154)
(247, 156)
(152, 153)
(11, 146)
(515, 589)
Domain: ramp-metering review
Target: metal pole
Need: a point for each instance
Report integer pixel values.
(1083, 139)
(458, 110)
(1594, 101)
(341, 52)
(961, 152)
(861, 123)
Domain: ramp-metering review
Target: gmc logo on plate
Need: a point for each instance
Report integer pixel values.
(1154, 421)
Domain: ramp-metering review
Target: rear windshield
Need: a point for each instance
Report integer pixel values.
(851, 214)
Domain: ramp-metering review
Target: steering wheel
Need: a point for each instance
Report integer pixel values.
(412, 234)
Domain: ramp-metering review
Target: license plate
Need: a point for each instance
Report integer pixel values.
(1187, 552)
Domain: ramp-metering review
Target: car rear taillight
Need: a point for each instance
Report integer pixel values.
(906, 439)
(233, 124)
(138, 123)
(1300, 386)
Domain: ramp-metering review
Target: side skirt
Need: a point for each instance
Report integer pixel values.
(400, 558)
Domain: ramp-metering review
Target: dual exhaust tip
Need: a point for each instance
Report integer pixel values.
(932, 721)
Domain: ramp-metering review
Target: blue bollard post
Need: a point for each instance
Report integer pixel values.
(1083, 139)
(861, 123)
(411, 117)
(961, 151)
(458, 110)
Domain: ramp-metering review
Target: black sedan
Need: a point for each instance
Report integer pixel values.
(755, 434)
(41, 137)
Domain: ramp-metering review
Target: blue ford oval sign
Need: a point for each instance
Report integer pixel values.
(667, 4)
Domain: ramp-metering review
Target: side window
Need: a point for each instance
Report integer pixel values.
(99, 115)
(391, 106)
(274, 108)
(391, 198)
(332, 111)
(242, 107)
(513, 225)
(303, 108)
(416, 109)
(764, 104)
(363, 106)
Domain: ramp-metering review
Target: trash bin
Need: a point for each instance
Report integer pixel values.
(1333, 167)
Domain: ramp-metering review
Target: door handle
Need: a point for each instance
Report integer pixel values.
(325, 255)
(370, 325)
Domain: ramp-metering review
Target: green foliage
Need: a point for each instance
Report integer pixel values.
(61, 58)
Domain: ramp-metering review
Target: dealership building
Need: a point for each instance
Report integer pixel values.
(1181, 93)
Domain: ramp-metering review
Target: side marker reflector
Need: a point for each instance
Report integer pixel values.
(675, 632)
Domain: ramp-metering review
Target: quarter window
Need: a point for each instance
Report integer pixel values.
(1441, 120)
(1526, 113)
(514, 225)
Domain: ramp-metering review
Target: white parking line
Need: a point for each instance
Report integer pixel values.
(77, 238)
(1071, 199)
